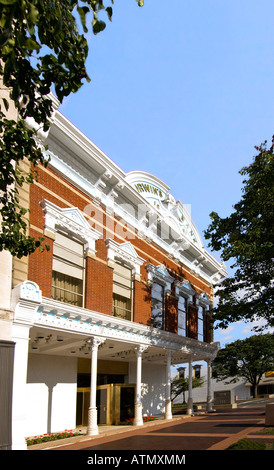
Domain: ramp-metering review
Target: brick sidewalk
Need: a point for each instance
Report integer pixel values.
(214, 431)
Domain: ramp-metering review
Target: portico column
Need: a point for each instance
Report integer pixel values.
(25, 299)
(138, 416)
(168, 412)
(92, 429)
(190, 399)
(20, 334)
(209, 388)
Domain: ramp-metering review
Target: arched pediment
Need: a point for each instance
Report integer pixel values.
(173, 213)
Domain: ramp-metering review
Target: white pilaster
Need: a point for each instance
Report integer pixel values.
(168, 412)
(92, 428)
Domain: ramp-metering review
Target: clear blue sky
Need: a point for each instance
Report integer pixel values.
(183, 90)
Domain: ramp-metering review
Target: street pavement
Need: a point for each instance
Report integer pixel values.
(255, 402)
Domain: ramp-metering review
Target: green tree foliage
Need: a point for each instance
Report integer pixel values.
(246, 238)
(249, 358)
(180, 385)
(42, 48)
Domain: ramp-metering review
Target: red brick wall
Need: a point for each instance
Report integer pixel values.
(141, 303)
(192, 322)
(40, 266)
(98, 294)
(209, 330)
(171, 317)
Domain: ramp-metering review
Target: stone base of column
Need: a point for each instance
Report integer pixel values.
(168, 412)
(189, 410)
(138, 418)
(92, 429)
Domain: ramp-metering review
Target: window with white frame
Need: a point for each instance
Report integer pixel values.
(68, 269)
(182, 315)
(158, 306)
(160, 280)
(126, 263)
(201, 323)
(185, 294)
(122, 291)
(197, 371)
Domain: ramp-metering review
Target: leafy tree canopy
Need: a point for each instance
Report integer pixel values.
(42, 46)
(246, 238)
(249, 358)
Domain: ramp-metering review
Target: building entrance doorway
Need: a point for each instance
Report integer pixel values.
(114, 402)
(102, 404)
(127, 398)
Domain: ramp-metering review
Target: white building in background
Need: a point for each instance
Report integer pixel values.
(239, 390)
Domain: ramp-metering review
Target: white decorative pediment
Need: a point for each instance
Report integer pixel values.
(204, 299)
(185, 288)
(159, 273)
(126, 253)
(70, 220)
(172, 213)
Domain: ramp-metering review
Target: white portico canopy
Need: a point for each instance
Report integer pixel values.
(66, 328)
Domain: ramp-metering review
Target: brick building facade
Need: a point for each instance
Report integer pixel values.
(123, 292)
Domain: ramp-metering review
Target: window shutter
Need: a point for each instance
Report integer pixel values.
(122, 281)
(68, 256)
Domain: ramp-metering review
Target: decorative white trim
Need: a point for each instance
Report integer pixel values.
(25, 300)
(72, 221)
(174, 213)
(161, 274)
(126, 253)
(204, 300)
(185, 288)
(64, 317)
(186, 234)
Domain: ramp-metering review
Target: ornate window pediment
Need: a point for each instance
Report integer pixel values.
(125, 253)
(72, 221)
(204, 299)
(184, 287)
(160, 273)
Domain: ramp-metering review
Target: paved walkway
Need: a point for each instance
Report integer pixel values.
(208, 431)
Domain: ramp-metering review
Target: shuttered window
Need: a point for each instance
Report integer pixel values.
(122, 291)
(68, 270)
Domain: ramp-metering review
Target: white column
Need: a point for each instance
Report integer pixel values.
(25, 299)
(138, 415)
(209, 388)
(190, 399)
(20, 334)
(92, 429)
(168, 412)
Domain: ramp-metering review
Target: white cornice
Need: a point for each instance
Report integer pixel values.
(31, 309)
(63, 317)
